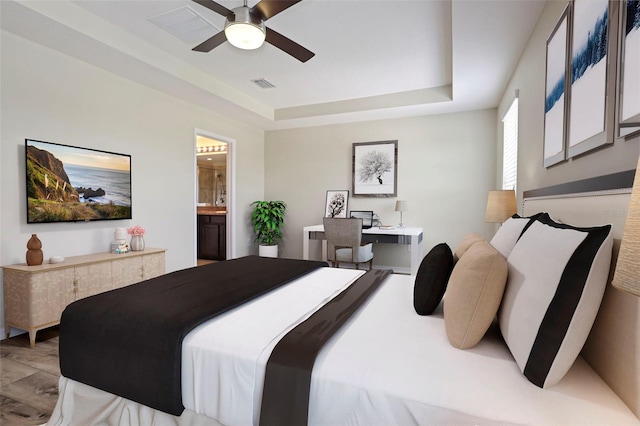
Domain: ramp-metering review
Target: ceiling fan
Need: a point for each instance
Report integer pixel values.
(245, 29)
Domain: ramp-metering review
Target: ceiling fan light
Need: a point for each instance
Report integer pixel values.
(244, 36)
(245, 31)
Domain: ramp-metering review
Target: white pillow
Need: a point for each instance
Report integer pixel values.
(509, 232)
(557, 277)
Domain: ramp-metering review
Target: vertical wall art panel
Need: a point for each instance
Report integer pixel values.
(629, 68)
(589, 48)
(555, 101)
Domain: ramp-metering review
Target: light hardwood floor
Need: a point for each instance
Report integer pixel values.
(29, 379)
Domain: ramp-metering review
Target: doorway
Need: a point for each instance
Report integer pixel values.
(214, 198)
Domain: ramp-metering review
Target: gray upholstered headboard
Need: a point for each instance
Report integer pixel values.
(613, 347)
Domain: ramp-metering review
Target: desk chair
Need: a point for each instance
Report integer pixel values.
(344, 237)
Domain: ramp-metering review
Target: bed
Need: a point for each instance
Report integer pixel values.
(387, 365)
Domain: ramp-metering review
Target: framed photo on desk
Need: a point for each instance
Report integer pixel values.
(336, 204)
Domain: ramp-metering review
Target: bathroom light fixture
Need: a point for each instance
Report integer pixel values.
(245, 31)
(212, 149)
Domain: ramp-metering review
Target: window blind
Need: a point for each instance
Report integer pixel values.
(510, 148)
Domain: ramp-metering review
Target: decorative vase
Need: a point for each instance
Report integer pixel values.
(34, 252)
(137, 243)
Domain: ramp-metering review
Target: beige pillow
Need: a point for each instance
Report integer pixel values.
(473, 294)
(465, 243)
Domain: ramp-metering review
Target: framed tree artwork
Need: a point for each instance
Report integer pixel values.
(555, 101)
(336, 204)
(375, 169)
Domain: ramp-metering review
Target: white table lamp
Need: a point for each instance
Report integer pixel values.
(401, 206)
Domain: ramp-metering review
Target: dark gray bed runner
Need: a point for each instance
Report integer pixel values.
(285, 397)
(129, 341)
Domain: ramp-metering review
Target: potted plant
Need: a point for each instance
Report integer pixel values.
(267, 220)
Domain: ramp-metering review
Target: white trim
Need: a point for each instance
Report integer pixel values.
(231, 190)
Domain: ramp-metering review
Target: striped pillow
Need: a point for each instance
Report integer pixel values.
(557, 277)
(507, 235)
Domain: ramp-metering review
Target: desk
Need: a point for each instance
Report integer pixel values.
(406, 236)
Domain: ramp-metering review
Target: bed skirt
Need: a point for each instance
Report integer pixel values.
(79, 404)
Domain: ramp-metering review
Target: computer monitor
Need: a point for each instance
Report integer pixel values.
(365, 215)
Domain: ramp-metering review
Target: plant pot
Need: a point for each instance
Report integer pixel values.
(268, 251)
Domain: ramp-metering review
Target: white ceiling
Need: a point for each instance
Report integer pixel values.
(373, 59)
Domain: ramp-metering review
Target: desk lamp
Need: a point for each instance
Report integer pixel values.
(401, 206)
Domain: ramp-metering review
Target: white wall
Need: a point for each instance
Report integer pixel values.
(446, 165)
(52, 97)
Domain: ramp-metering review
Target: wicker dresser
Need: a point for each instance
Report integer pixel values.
(35, 296)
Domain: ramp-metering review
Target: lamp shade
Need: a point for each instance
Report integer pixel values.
(627, 274)
(402, 206)
(501, 205)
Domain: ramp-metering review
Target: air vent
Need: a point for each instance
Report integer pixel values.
(263, 83)
(186, 24)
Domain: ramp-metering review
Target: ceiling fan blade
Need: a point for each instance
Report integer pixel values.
(212, 5)
(266, 9)
(209, 44)
(288, 46)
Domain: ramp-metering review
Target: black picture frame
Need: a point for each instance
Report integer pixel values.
(336, 204)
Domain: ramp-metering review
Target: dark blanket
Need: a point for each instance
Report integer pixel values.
(287, 383)
(129, 341)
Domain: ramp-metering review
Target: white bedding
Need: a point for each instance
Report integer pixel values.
(387, 366)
